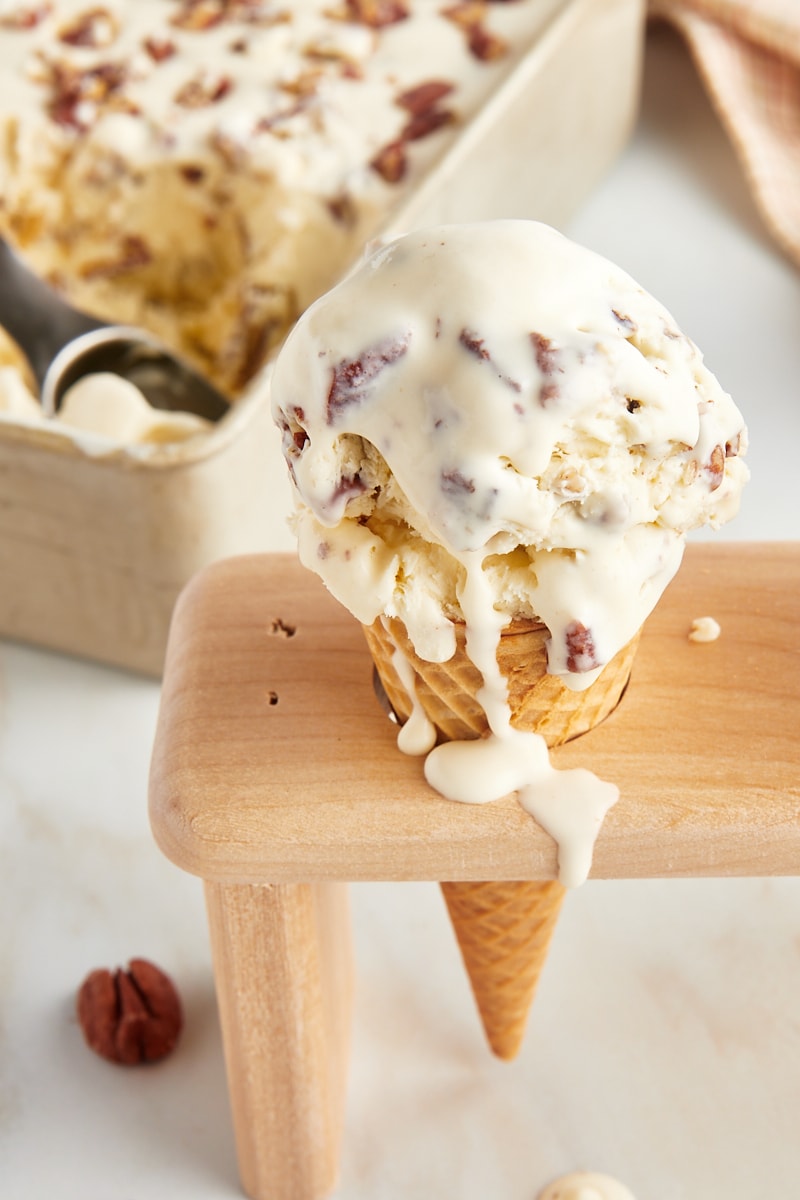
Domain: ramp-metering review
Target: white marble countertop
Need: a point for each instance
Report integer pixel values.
(665, 1039)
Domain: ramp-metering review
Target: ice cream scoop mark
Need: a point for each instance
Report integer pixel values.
(351, 379)
(581, 653)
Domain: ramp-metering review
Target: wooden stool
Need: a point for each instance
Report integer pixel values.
(276, 779)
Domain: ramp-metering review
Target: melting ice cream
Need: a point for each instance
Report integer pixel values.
(488, 422)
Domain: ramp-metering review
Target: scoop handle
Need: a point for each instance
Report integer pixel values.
(34, 315)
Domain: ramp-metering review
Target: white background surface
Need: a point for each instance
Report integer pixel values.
(665, 1042)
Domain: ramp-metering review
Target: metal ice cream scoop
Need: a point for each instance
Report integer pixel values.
(62, 344)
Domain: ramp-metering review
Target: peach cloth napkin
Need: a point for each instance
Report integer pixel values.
(748, 53)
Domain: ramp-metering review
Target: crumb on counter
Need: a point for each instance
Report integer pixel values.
(704, 629)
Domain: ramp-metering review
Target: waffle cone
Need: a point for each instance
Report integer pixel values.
(503, 928)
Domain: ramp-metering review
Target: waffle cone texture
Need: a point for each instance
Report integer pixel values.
(503, 928)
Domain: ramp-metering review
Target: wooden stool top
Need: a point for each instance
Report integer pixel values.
(274, 762)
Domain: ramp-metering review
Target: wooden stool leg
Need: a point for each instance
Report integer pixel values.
(283, 970)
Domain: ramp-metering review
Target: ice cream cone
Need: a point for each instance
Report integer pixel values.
(503, 928)
(504, 931)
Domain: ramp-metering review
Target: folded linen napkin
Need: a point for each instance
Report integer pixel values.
(748, 53)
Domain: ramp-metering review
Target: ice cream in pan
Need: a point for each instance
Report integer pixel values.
(498, 443)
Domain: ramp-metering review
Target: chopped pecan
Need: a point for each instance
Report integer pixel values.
(421, 124)
(78, 94)
(377, 13)
(391, 162)
(343, 209)
(716, 467)
(470, 341)
(159, 49)
(627, 323)
(134, 253)
(455, 483)
(581, 653)
(351, 380)
(424, 96)
(465, 13)
(348, 487)
(203, 89)
(485, 45)
(570, 483)
(475, 344)
(93, 28)
(306, 83)
(469, 16)
(198, 15)
(27, 16)
(547, 360)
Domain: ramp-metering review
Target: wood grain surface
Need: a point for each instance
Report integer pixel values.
(274, 762)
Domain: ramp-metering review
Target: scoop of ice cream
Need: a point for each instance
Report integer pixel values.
(113, 407)
(491, 406)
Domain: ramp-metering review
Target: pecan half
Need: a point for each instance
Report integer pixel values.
(131, 1016)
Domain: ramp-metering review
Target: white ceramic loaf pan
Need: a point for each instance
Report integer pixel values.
(94, 549)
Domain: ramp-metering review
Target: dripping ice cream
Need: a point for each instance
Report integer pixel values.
(489, 427)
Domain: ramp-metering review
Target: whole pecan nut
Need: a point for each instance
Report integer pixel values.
(130, 1016)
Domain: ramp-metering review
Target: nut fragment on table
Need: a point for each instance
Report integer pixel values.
(704, 629)
(130, 1016)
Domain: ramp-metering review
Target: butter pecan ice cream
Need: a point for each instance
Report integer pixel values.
(491, 408)
(205, 168)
